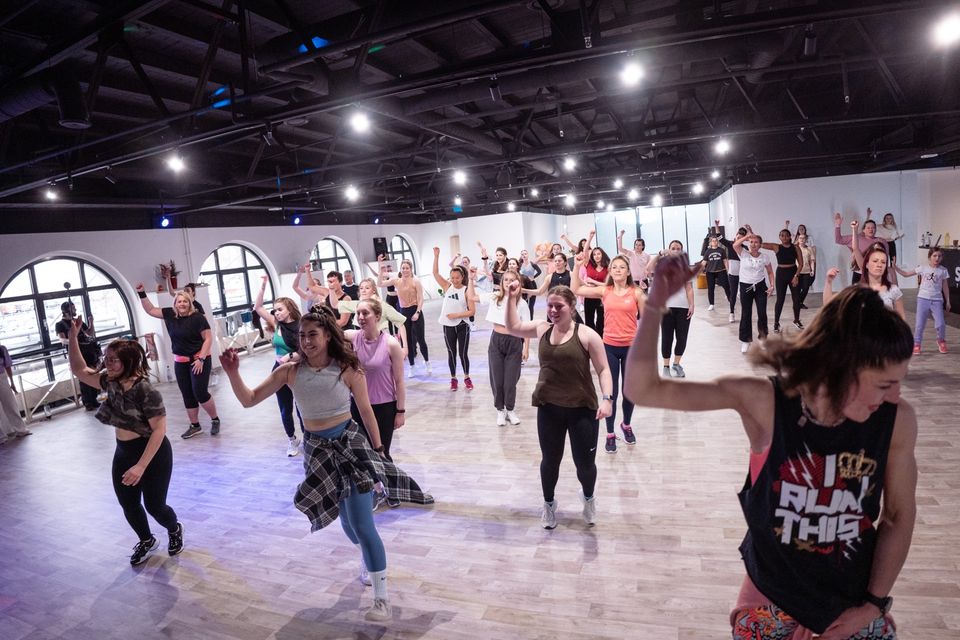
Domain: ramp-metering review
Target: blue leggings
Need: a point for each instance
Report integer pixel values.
(617, 361)
(356, 516)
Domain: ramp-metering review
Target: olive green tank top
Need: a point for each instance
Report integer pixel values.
(565, 378)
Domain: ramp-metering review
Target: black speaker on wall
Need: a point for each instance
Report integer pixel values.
(379, 246)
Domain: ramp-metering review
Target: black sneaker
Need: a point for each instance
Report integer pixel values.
(776, 327)
(393, 503)
(176, 541)
(803, 306)
(798, 324)
(191, 431)
(141, 549)
(215, 426)
(628, 436)
(611, 446)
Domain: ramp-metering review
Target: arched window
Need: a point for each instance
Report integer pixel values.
(234, 274)
(400, 250)
(30, 309)
(330, 255)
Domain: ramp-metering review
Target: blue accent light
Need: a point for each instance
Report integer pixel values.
(219, 104)
(457, 209)
(296, 220)
(164, 222)
(218, 92)
(316, 41)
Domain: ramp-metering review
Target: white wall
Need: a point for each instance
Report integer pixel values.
(939, 193)
(813, 201)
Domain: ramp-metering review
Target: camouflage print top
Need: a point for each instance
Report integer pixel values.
(131, 409)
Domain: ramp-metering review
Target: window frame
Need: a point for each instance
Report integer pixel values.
(406, 253)
(244, 269)
(339, 253)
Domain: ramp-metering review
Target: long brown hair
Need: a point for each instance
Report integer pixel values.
(293, 309)
(855, 331)
(630, 282)
(884, 278)
(338, 347)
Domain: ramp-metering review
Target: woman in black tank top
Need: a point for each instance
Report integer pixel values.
(789, 263)
(831, 443)
(565, 397)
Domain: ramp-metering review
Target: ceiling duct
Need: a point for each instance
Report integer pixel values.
(40, 89)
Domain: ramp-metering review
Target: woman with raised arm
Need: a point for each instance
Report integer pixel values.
(410, 295)
(457, 308)
(831, 442)
(888, 231)
(388, 319)
(190, 287)
(675, 323)
(191, 341)
(789, 264)
(623, 301)
(596, 272)
(143, 458)
(340, 464)
(808, 272)
(314, 292)
(639, 258)
(565, 396)
(283, 327)
(754, 267)
(874, 266)
(867, 238)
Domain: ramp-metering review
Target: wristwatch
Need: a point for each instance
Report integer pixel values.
(606, 397)
(883, 604)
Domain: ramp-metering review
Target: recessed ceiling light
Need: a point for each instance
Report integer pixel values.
(352, 193)
(600, 204)
(175, 163)
(50, 194)
(632, 74)
(459, 177)
(657, 200)
(722, 146)
(618, 184)
(569, 163)
(946, 33)
(511, 206)
(633, 194)
(698, 188)
(570, 200)
(534, 192)
(715, 174)
(360, 122)
(610, 207)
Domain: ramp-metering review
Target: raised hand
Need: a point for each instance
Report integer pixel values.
(436, 252)
(670, 275)
(230, 361)
(854, 224)
(381, 258)
(139, 287)
(579, 259)
(832, 273)
(622, 231)
(837, 219)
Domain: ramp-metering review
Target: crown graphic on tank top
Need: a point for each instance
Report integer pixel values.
(855, 465)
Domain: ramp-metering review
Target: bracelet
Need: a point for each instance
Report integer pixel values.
(401, 410)
(142, 294)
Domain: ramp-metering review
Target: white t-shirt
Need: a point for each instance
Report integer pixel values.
(891, 295)
(497, 313)
(754, 270)
(931, 281)
(454, 301)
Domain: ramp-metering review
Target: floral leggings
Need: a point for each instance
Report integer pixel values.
(772, 623)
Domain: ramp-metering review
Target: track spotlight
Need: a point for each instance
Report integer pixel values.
(600, 204)
(459, 177)
(458, 201)
(570, 200)
(946, 33)
(51, 194)
(698, 188)
(610, 206)
(631, 74)
(657, 200)
(633, 194)
(175, 163)
(569, 163)
(722, 146)
(715, 175)
(109, 176)
(618, 184)
(360, 122)
(352, 193)
(296, 220)
(164, 222)
(534, 192)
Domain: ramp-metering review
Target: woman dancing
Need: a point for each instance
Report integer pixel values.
(410, 294)
(831, 442)
(143, 458)
(456, 309)
(565, 396)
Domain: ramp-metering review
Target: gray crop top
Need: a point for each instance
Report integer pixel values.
(321, 394)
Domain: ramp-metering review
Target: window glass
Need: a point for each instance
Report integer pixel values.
(400, 250)
(675, 227)
(698, 223)
(52, 275)
(235, 290)
(106, 306)
(19, 286)
(255, 281)
(94, 277)
(651, 229)
(210, 264)
(19, 331)
(329, 255)
(231, 257)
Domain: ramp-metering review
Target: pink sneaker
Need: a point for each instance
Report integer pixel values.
(468, 383)
(942, 345)
(454, 384)
(916, 349)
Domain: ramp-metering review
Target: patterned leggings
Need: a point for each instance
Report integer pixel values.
(772, 623)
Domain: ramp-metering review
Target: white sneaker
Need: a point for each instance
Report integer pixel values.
(379, 612)
(710, 308)
(589, 509)
(732, 318)
(744, 347)
(501, 418)
(365, 575)
(429, 369)
(513, 417)
(293, 447)
(549, 517)
(412, 371)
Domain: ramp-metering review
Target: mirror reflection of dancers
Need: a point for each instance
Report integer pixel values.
(283, 327)
(191, 341)
(454, 314)
(143, 458)
(340, 465)
(830, 421)
(565, 396)
(623, 301)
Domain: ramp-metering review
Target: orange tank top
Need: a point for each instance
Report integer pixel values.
(619, 317)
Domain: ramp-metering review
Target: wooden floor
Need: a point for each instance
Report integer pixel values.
(662, 561)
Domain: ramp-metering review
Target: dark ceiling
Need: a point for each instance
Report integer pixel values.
(256, 97)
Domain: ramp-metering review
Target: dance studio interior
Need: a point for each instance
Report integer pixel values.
(235, 191)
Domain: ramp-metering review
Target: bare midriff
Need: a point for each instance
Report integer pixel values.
(407, 292)
(325, 423)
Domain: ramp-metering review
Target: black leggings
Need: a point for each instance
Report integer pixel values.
(674, 322)
(714, 278)
(733, 285)
(287, 406)
(617, 361)
(458, 341)
(803, 287)
(553, 423)
(751, 294)
(593, 310)
(531, 302)
(193, 386)
(152, 486)
(386, 413)
(415, 334)
(784, 277)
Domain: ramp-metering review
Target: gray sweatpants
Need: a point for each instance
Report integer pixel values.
(504, 355)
